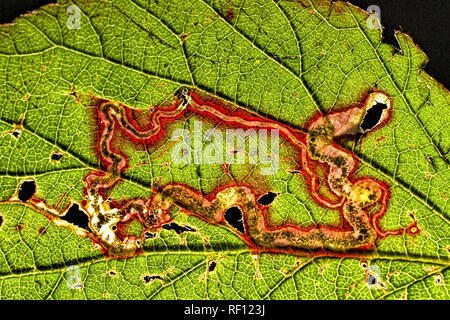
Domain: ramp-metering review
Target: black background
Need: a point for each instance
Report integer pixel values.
(427, 21)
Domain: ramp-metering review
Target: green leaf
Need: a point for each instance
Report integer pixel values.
(284, 60)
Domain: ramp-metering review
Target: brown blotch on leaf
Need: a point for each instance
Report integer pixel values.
(229, 14)
(184, 36)
(42, 230)
(339, 8)
(19, 227)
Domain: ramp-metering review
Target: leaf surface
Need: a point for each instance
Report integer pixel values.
(284, 60)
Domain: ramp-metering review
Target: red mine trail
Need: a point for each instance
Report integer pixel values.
(317, 145)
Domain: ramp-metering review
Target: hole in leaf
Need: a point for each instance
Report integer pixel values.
(372, 280)
(56, 156)
(26, 190)
(177, 228)
(233, 216)
(372, 117)
(77, 217)
(147, 278)
(149, 235)
(16, 133)
(267, 198)
(212, 265)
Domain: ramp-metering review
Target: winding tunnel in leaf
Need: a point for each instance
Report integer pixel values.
(291, 65)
